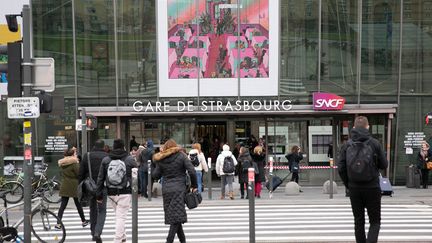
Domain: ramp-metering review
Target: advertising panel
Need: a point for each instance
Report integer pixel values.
(206, 46)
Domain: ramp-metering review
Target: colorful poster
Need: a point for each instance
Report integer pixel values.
(208, 45)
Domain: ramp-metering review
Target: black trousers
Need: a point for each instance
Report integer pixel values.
(295, 177)
(176, 229)
(64, 202)
(369, 198)
(425, 177)
(97, 215)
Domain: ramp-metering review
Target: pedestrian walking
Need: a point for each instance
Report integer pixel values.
(294, 159)
(172, 165)
(259, 158)
(359, 162)
(115, 176)
(143, 158)
(225, 169)
(424, 156)
(97, 210)
(202, 166)
(69, 166)
(244, 162)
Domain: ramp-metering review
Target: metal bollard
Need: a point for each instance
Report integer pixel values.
(331, 178)
(134, 205)
(251, 196)
(149, 181)
(209, 179)
(271, 178)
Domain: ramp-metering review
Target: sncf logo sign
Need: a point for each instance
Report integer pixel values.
(327, 101)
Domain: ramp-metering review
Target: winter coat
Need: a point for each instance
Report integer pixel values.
(143, 157)
(172, 164)
(259, 159)
(129, 162)
(69, 168)
(362, 135)
(294, 161)
(242, 172)
(421, 163)
(220, 162)
(201, 158)
(96, 157)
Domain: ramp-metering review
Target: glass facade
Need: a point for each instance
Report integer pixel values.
(106, 54)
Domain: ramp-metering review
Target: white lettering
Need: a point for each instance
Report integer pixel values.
(181, 106)
(253, 105)
(166, 106)
(333, 103)
(238, 105)
(269, 106)
(286, 107)
(137, 106)
(158, 106)
(228, 106)
(276, 105)
(219, 105)
(246, 106)
(204, 105)
(211, 104)
(149, 105)
(190, 105)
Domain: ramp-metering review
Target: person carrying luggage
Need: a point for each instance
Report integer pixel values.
(359, 162)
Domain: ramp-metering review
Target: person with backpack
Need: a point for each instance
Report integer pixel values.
(360, 160)
(225, 169)
(294, 159)
(145, 155)
(244, 163)
(70, 169)
(172, 165)
(424, 156)
(115, 176)
(259, 158)
(198, 160)
(97, 210)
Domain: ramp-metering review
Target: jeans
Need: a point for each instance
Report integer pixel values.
(369, 198)
(143, 179)
(97, 215)
(121, 205)
(226, 179)
(64, 202)
(199, 175)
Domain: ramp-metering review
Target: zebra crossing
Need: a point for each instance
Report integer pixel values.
(274, 223)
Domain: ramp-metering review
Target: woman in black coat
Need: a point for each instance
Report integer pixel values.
(244, 161)
(294, 162)
(423, 157)
(172, 164)
(258, 157)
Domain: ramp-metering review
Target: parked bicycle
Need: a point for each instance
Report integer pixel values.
(44, 186)
(43, 222)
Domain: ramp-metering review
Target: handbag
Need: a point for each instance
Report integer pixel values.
(193, 199)
(429, 165)
(89, 184)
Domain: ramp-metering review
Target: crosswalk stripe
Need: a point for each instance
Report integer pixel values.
(275, 223)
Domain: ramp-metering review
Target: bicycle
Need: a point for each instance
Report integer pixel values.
(43, 222)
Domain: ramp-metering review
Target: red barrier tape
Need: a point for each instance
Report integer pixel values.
(302, 167)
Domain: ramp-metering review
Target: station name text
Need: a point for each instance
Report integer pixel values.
(213, 106)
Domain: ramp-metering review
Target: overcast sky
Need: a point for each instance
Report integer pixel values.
(11, 7)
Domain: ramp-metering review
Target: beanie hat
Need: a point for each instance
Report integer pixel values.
(225, 147)
(150, 144)
(118, 144)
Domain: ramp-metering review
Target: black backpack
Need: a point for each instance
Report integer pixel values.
(194, 159)
(360, 162)
(228, 165)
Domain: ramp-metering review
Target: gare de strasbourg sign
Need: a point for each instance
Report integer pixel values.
(321, 102)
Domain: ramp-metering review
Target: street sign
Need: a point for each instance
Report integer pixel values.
(43, 74)
(23, 107)
(78, 126)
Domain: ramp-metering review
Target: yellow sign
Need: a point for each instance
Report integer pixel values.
(7, 36)
(27, 138)
(27, 124)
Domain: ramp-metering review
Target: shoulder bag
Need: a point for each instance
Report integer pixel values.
(89, 183)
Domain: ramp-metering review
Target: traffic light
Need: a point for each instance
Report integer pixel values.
(12, 68)
(91, 122)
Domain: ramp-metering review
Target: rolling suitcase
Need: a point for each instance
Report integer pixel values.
(386, 187)
(277, 181)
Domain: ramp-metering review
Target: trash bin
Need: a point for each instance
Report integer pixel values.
(412, 175)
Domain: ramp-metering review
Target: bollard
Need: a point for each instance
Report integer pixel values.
(251, 196)
(134, 205)
(331, 178)
(209, 179)
(271, 178)
(149, 181)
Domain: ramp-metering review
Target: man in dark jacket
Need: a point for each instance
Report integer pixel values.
(97, 210)
(117, 161)
(364, 192)
(143, 158)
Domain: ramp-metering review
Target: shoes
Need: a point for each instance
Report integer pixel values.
(97, 238)
(258, 196)
(222, 197)
(231, 195)
(124, 240)
(58, 226)
(241, 197)
(300, 190)
(247, 197)
(85, 223)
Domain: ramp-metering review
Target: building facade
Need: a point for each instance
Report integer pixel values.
(125, 61)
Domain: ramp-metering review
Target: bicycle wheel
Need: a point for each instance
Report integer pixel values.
(51, 190)
(43, 227)
(16, 193)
